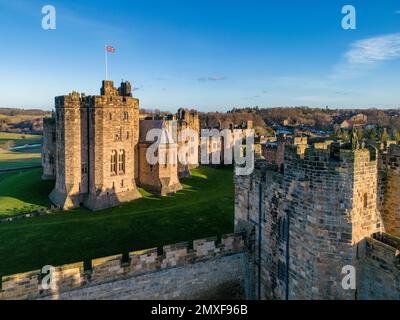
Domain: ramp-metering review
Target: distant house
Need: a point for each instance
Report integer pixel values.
(355, 121)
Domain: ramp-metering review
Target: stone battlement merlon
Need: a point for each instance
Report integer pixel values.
(72, 100)
(383, 251)
(72, 276)
(120, 101)
(380, 268)
(331, 154)
(388, 239)
(107, 93)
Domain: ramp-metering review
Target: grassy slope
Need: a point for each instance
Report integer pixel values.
(204, 208)
(19, 159)
(23, 192)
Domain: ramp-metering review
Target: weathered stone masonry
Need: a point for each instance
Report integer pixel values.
(91, 148)
(312, 219)
(49, 149)
(208, 271)
(96, 137)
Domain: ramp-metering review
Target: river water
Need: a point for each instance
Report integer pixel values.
(27, 146)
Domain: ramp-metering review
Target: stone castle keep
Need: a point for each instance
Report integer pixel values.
(327, 206)
(95, 149)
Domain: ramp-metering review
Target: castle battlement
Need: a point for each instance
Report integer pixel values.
(329, 153)
(113, 268)
(317, 215)
(380, 267)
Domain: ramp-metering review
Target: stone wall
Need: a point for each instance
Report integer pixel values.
(207, 271)
(187, 119)
(331, 205)
(380, 272)
(49, 149)
(66, 193)
(262, 213)
(391, 212)
(310, 220)
(111, 131)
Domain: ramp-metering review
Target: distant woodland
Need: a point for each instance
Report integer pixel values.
(22, 120)
(322, 119)
(30, 120)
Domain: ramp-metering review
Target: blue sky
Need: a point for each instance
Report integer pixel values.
(208, 54)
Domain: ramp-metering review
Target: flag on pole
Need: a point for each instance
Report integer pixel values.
(110, 49)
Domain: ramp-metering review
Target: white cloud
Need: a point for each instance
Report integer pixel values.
(364, 55)
(372, 50)
(212, 78)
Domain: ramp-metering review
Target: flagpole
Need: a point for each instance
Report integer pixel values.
(105, 49)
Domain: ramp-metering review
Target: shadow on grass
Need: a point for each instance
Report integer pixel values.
(23, 192)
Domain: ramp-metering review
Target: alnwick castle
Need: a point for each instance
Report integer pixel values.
(309, 215)
(95, 149)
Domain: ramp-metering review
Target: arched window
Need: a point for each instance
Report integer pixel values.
(113, 162)
(121, 161)
(125, 115)
(110, 116)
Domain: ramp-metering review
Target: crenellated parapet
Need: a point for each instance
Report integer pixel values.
(29, 285)
(380, 268)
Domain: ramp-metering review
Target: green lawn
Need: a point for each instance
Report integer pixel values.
(9, 140)
(22, 192)
(20, 159)
(203, 208)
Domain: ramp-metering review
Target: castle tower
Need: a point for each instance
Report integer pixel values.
(112, 126)
(310, 220)
(188, 120)
(96, 138)
(162, 177)
(49, 148)
(67, 192)
(332, 207)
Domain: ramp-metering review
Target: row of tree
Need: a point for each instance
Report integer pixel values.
(381, 134)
